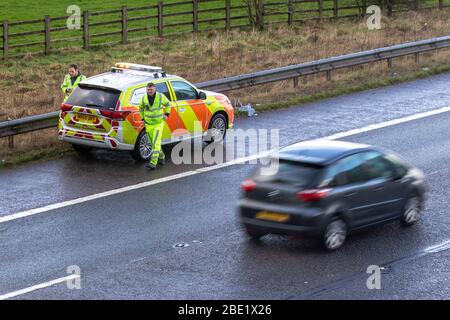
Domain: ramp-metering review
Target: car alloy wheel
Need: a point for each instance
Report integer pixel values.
(335, 235)
(217, 129)
(145, 148)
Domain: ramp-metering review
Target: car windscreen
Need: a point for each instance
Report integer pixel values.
(290, 172)
(93, 97)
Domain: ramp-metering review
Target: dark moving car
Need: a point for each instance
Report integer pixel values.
(328, 189)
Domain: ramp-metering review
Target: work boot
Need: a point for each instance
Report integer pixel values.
(162, 161)
(150, 166)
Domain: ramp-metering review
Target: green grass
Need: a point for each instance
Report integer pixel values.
(13, 10)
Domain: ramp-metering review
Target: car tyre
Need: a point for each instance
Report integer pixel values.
(217, 129)
(411, 210)
(142, 149)
(253, 233)
(335, 234)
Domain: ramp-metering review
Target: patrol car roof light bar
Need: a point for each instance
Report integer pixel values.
(138, 67)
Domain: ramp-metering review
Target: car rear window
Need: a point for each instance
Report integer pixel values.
(92, 97)
(291, 172)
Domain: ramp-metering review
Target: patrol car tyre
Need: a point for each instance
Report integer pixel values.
(217, 129)
(82, 150)
(142, 149)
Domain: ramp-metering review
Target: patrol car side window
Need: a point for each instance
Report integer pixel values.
(184, 91)
(139, 93)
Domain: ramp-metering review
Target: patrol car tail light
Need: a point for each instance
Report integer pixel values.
(115, 115)
(312, 194)
(248, 185)
(66, 107)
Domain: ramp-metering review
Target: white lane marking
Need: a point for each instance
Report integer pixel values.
(438, 248)
(63, 204)
(38, 286)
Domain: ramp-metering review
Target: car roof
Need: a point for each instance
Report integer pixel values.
(321, 152)
(125, 79)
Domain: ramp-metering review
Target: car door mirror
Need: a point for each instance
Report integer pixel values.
(202, 95)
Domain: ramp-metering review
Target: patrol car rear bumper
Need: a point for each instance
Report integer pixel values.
(108, 143)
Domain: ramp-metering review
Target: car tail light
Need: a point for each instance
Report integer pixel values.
(66, 107)
(248, 185)
(115, 115)
(313, 194)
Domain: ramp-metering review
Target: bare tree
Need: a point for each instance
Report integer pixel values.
(255, 11)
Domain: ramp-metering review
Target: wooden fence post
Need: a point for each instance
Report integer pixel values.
(441, 4)
(320, 9)
(290, 12)
(47, 34)
(195, 16)
(228, 14)
(160, 19)
(124, 24)
(5, 40)
(86, 29)
(335, 8)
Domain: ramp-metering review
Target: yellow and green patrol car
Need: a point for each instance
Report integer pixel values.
(103, 111)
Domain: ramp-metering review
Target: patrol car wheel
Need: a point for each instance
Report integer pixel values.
(217, 129)
(142, 149)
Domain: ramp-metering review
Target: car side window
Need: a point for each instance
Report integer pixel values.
(139, 93)
(137, 96)
(344, 171)
(376, 166)
(184, 91)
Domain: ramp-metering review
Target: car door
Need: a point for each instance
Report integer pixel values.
(192, 110)
(350, 187)
(388, 188)
(170, 124)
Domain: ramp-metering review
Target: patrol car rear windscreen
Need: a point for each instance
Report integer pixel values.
(94, 97)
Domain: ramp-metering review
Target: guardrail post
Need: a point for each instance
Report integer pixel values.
(5, 40)
(124, 24)
(86, 29)
(195, 16)
(290, 12)
(160, 19)
(328, 75)
(335, 8)
(416, 58)
(11, 142)
(47, 34)
(296, 82)
(228, 15)
(389, 62)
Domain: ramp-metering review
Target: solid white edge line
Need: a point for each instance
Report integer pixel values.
(339, 135)
(37, 287)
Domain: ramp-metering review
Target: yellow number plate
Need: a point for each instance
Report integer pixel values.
(272, 216)
(85, 118)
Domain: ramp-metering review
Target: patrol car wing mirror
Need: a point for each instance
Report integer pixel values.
(202, 95)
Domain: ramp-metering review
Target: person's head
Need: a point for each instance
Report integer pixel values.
(151, 88)
(73, 70)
